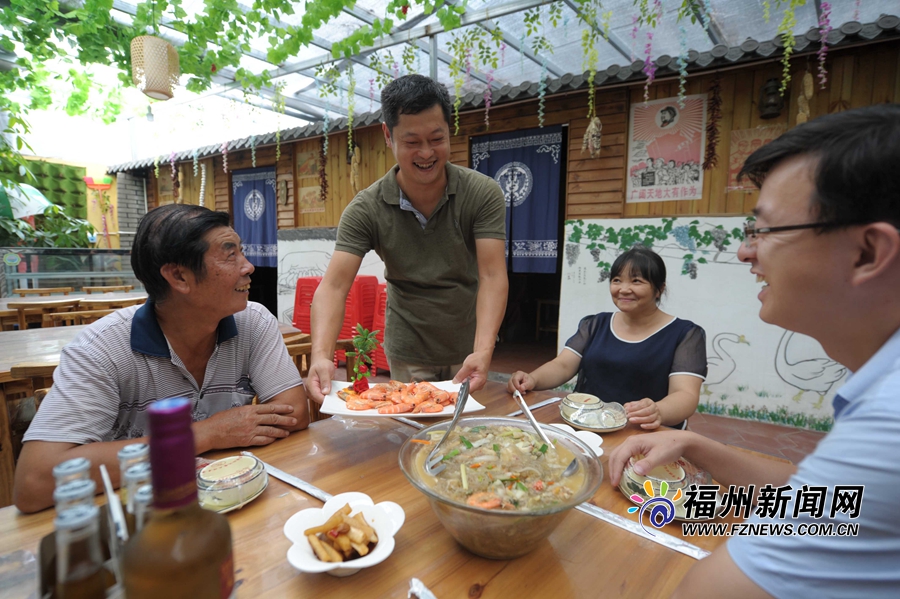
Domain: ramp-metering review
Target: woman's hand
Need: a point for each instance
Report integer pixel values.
(644, 412)
(520, 381)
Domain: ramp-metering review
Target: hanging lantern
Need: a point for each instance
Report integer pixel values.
(154, 66)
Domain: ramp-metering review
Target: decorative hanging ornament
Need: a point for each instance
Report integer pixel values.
(156, 166)
(591, 141)
(803, 98)
(203, 185)
(253, 150)
(824, 30)
(488, 96)
(154, 66)
(196, 161)
(714, 115)
(542, 91)
(225, 156)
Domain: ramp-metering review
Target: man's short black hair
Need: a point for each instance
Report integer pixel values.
(172, 234)
(412, 94)
(857, 153)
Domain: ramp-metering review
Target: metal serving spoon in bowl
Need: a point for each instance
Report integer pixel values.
(434, 463)
(572, 468)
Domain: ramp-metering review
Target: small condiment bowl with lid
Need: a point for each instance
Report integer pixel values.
(588, 412)
(666, 479)
(231, 483)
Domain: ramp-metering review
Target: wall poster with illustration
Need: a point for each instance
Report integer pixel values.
(311, 200)
(666, 144)
(743, 143)
(307, 164)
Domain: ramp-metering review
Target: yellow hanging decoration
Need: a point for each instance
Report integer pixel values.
(804, 97)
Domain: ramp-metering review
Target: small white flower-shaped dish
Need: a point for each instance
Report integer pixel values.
(592, 440)
(386, 518)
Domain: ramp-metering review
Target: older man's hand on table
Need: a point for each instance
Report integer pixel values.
(244, 427)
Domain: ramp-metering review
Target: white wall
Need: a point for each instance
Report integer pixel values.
(306, 253)
(756, 370)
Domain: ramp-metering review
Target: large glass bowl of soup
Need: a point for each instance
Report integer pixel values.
(514, 494)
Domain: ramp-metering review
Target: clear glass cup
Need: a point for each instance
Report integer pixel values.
(588, 411)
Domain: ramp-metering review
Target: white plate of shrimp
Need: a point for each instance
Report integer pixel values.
(386, 400)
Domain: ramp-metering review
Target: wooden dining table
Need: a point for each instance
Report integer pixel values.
(15, 309)
(583, 557)
(34, 346)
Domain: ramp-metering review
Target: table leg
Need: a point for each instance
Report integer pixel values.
(7, 458)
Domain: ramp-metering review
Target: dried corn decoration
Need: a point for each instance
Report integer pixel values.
(154, 66)
(804, 97)
(354, 170)
(591, 141)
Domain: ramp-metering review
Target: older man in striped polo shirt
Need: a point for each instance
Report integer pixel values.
(197, 336)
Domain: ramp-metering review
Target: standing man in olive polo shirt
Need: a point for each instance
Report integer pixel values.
(440, 230)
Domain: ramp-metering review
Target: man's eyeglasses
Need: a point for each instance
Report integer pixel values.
(751, 232)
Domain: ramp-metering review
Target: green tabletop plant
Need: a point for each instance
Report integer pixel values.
(364, 344)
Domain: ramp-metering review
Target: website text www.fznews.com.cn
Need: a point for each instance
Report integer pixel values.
(770, 529)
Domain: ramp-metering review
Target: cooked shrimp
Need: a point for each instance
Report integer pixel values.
(398, 408)
(484, 500)
(376, 394)
(428, 407)
(357, 403)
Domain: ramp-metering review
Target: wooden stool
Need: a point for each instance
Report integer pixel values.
(106, 288)
(43, 291)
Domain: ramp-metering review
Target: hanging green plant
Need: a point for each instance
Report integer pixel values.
(278, 105)
(351, 105)
(409, 58)
(460, 43)
(156, 166)
(326, 87)
(786, 31)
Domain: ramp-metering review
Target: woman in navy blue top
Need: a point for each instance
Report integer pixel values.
(651, 362)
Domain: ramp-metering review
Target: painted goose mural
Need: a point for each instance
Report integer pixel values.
(721, 365)
(813, 374)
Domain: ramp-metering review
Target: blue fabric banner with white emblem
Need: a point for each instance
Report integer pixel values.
(253, 197)
(526, 164)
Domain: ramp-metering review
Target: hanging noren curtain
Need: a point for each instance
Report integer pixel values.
(526, 164)
(253, 194)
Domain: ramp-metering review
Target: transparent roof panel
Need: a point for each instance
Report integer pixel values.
(740, 19)
(737, 20)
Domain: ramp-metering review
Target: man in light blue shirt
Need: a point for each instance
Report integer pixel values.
(826, 244)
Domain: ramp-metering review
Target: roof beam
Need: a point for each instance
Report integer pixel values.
(402, 37)
(423, 46)
(489, 26)
(610, 37)
(259, 103)
(713, 31)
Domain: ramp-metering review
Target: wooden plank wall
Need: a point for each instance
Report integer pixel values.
(595, 188)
